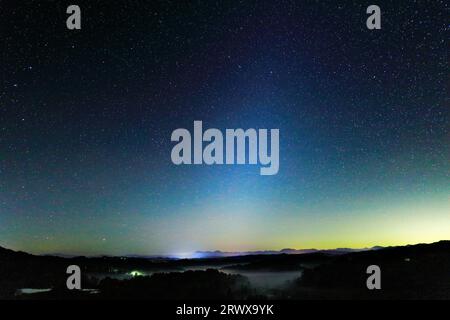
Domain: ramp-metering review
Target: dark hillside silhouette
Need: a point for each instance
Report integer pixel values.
(410, 272)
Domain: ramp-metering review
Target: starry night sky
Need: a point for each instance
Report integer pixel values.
(86, 118)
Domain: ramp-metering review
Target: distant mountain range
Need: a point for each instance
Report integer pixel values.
(216, 253)
(220, 254)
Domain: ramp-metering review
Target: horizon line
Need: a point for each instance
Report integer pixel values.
(191, 255)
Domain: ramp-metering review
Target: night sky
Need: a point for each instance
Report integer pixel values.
(86, 118)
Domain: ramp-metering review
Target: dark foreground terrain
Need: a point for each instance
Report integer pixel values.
(411, 272)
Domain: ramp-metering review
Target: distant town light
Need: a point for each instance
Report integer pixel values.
(136, 273)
